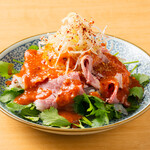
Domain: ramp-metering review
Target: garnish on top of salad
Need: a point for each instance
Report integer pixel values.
(71, 80)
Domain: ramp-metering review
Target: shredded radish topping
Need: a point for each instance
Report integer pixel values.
(71, 41)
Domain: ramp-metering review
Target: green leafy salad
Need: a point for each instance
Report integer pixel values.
(94, 111)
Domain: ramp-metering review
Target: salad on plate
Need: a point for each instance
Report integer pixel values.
(71, 80)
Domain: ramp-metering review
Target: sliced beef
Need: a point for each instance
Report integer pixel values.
(86, 65)
(60, 91)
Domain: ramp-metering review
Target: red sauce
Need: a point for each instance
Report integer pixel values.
(32, 94)
(69, 90)
(35, 69)
(72, 117)
(109, 82)
(134, 82)
(111, 67)
(107, 86)
(96, 94)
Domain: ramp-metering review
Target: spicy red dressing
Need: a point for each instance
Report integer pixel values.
(35, 71)
(108, 83)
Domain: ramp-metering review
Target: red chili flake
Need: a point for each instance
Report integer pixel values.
(103, 44)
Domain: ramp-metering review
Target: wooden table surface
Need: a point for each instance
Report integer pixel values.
(126, 19)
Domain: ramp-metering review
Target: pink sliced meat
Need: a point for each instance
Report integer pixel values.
(86, 65)
(118, 76)
(55, 86)
(113, 98)
(46, 103)
(109, 89)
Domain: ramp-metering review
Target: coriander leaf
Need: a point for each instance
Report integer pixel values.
(133, 108)
(52, 118)
(12, 106)
(101, 117)
(91, 108)
(86, 121)
(100, 120)
(99, 105)
(83, 105)
(95, 110)
(7, 69)
(34, 119)
(112, 112)
(94, 98)
(7, 96)
(100, 112)
(137, 92)
(79, 125)
(134, 103)
(80, 106)
(10, 94)
(29, 111)
(34, 47)
(23, 110)
(142, 78)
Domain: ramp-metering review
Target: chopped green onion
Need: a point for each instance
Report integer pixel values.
(133, 68)
(132, 62)
(18, 61)
(116, 54)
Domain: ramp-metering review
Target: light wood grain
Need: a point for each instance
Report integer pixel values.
(126, 19)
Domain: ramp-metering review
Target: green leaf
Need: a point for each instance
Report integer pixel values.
(80, 106)
(34, 47)
(142, 78)
(100, 120)
(7, 69)
(34, 119)
(25, 111)
(95, 110)
(135, 97)
(10, 94)
(12, 106)
(137, 92)
(86, 121)
(112, 112)
(79, 125)
(83, 105)
(50, 117)
(91, 108)
(29, 111)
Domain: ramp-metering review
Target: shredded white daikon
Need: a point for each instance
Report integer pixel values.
(75, 37)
